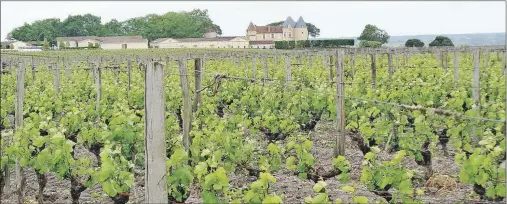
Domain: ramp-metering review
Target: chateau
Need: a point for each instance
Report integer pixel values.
(290, 30)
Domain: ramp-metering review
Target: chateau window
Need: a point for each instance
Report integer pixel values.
(284, 35)
(273, 36)
(290, 35)
(302, 34)
(263, 36)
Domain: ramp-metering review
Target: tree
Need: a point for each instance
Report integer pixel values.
(414, 43)
(113, 28)
(97, 45)
(373, 33)
(441, 41)
(90, 45)
(312, 29)
(191, 24)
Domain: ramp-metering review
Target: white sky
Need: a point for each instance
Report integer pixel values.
(335, 19)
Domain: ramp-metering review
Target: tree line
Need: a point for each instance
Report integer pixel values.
(152, 26)
(372, 36)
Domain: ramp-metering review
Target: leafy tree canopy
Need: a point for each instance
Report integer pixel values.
(441, 41)
(414, 43)
(373, 33)
(312, 29)
(152, 26)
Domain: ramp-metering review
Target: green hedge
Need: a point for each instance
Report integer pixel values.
(287, 45)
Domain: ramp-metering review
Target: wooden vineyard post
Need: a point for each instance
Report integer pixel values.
(373, 71)
(266, 70)
(486, 59)
(331, 75)
(456, 67)
(254, 67)
(324, 62)
(503, 64)
(390, 64)
(340, 105)
(187, 110)
(18, 114)
(353, 65)
(246, 64)
(129, 67)
(155, 148)
(98, 88)
(56, 77)
(397, 60)
(288, 74)
(198, 85)
(33, 71)
(476, 78)
(438, 56)
(405, 63)
(476, 91)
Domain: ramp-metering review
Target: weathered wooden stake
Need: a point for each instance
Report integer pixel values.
(98, 88)
(396, 58)
(18, 114)
(288, 72)
(198, 84)
(373, 71)
(503, 64)
(353, 65)
(254, 67)
(476, 78)
(390, 64)
(486, 59)
(331, 75)
(266, 70)
(33, 71)
(340, 105)
(56, 78)
(155, 148)
(129, 67)
(187, 109)
(456, 67)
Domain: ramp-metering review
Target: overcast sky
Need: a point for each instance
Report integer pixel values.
(335, 19)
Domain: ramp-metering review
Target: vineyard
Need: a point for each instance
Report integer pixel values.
(332, 126)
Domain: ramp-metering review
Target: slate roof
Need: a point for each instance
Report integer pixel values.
(289, 21)
(301, 23)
